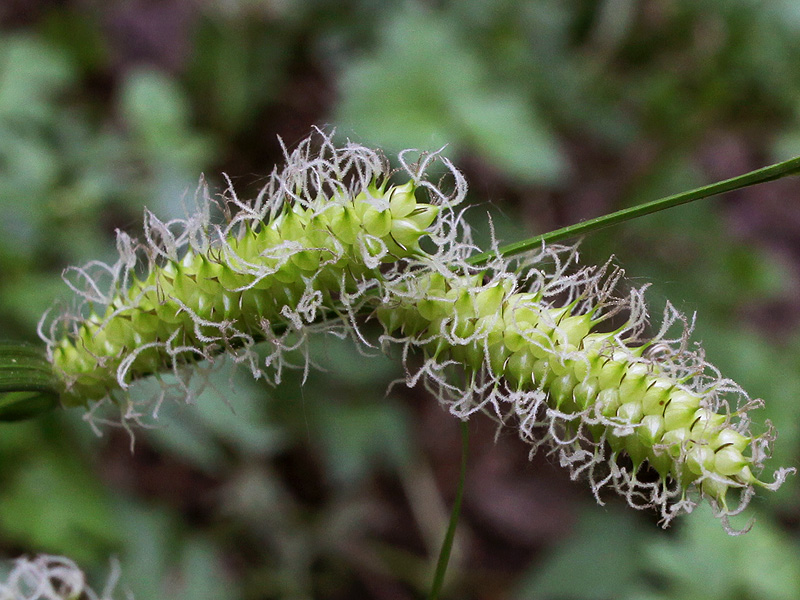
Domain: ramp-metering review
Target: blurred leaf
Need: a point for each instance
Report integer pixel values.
(29, 297)
(158, 114)
(149, 534)
(154, 107)
(162, 560)
(179, 433)
(32, 74)
(358, 438)
(202, 574)
(509, 132)
(360, 429)
(705, 562)
(345, 361)
(238, 68)
(233, 408)
(600, 560)
(76, 33)
(56, 505)
(226, 411)
(424, 87)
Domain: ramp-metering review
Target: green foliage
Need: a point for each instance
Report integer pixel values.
(701, 563)
(170, 560)
(612, 556)
(34, 76)
(356, 436)
(601, 559)
(237, 69)
(51, 499)
(204, 432)
(438, 90)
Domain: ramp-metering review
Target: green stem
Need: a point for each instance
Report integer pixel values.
(27, 384)
(770, 173)
(447, 545)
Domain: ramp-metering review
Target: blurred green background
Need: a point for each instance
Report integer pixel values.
(556, 111)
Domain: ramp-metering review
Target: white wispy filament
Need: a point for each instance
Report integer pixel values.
(48, 577)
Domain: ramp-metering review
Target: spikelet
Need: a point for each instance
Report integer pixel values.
(527, 340)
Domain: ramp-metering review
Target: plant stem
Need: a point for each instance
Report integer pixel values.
(447, 544)
(770, 173)
(27, 382)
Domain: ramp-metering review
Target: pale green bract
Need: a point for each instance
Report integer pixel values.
(331, 239)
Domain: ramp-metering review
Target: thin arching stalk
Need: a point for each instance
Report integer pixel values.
(447, 544)
(770, 173)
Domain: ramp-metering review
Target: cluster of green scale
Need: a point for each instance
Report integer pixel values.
(267, 267)
(203, 301)
(632, 404)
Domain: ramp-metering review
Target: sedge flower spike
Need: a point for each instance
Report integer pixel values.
(302, 257)
(528, 340)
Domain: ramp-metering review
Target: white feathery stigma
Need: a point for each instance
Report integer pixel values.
(47, 577)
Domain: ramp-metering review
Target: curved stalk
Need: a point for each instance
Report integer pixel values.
(763, 175)
(447, 544)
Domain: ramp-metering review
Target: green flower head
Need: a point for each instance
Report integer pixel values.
(528, 342)
(538, 342)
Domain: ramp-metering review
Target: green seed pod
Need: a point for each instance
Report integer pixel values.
(651, 430)
(680, 409)
(561, 392)
(585, 392)
(656, 396)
